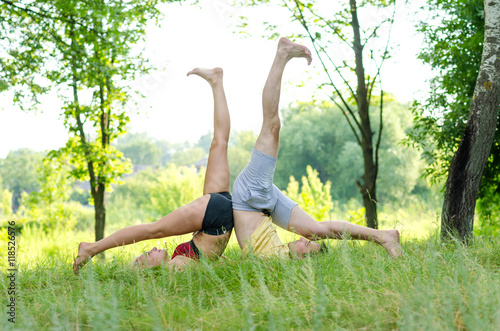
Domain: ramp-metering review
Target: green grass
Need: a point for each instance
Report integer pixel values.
(355, 286)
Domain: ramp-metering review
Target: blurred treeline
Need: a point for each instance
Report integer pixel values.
(165, 176)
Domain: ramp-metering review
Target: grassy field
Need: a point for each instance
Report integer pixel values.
(355, 286)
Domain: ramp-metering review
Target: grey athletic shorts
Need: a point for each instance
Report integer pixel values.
(253, 190)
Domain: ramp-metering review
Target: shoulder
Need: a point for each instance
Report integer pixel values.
(179, 262)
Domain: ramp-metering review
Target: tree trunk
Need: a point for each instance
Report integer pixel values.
(367, 188)
(100, 211)
(467, 165)
(371, 208)
(95, 188)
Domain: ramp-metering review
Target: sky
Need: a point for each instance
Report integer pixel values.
(178, 108)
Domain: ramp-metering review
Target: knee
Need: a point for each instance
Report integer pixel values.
(218, 143)
(271, 130)
(274, 126)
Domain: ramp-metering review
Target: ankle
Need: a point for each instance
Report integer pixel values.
(282, 56)
(379, 237)
(89, 249)
(215, 83)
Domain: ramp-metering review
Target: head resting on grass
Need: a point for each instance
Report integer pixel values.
(303, 247)
(151, 258)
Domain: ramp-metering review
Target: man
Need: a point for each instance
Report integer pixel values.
(257, 201)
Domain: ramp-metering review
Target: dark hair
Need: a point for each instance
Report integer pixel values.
(323, 248)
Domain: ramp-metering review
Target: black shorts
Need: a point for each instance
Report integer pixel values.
(219, 214)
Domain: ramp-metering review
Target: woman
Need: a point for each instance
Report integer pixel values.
(210, 217)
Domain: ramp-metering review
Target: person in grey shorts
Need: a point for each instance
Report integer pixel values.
(256, 198)
(254, 190)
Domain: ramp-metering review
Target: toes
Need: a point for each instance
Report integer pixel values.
(194, 71)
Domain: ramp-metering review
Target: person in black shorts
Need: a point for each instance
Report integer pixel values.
(210, 217)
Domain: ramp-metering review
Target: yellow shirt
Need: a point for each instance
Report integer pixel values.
(265, 242)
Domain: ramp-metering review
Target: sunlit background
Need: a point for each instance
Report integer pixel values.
(177, 108)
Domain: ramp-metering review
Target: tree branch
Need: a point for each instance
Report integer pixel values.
(348, 120)
(380, 128)
(331, 27)
(44, 14)
(384, 55)
(346, 105)
(353, 94)
(79, 122)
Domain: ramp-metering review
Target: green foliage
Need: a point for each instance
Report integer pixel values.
(19, 174)
(80, 195)
(357, 216)
(239, 152)
(108, 163)
(176, 187)
(169, 149)
(48, 216)
(135, 190)
(238, 160)
(314, 134)
(245, 139)
(54, 181)
(307, 138)
(153, 194)
(140, 149)
(401, 166)
(49, 208)
(205, 141)
(86, 46)
(314, 197)
(184, 154)
(5, 203)
(454, 36)
(488, 209)
(189, 156)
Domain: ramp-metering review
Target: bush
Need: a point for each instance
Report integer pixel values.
(314, 196)
(154, 193)
(488, 212)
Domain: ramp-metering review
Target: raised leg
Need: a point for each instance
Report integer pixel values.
(305, 225)
(184, 220)
(268, 140)
(217, 173)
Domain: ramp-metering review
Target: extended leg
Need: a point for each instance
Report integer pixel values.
(217, 173)
(184, 220)
(306, 226)
(268, 141)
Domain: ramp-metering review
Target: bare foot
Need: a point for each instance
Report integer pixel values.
(391, 242)
(212, 76)
(82, 258)
(289, 50)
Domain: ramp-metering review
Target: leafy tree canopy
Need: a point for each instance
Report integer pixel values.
(314, 134)
(19, 173)
(454, 38)
(139, 148)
